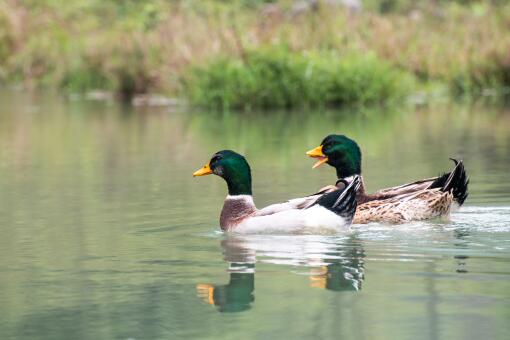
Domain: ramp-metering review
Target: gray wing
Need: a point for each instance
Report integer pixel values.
(295, 203)
(405, 188)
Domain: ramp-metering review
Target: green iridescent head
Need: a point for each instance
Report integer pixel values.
(340, 152)
(233, 168)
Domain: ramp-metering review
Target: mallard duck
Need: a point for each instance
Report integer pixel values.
(423, 199)
(333, 210)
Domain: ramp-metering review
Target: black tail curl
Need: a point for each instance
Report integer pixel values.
(455, 182)
(342, 201)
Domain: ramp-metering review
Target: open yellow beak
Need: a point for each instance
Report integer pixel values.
(205, 170)
(317, 153)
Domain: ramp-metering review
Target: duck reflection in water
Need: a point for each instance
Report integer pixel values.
(461, 236)
(335, 264)
(344, 273)
(237, 295)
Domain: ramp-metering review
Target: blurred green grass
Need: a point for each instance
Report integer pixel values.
(281, 78)
(130, 47)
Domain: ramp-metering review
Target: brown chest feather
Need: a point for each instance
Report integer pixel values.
(234, 211)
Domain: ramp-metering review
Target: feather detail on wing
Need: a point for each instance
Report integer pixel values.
(455, 181)
(424, 204)
(404, 189)
(296, 203)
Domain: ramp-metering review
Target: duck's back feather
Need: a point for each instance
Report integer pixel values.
(297, 203)
(424, 204)
(455, 182)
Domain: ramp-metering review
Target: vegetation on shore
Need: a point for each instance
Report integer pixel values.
(279, 78)
(256, 53)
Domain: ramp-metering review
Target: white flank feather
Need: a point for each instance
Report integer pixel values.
(294, 220)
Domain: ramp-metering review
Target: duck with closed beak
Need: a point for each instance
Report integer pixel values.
(333, 210)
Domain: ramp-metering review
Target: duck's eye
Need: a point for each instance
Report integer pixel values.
(215, 159)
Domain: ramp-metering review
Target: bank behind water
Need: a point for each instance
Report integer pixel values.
(279, 78)
(256, 54)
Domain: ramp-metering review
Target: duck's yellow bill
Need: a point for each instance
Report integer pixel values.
(317, 153)
(205, 170)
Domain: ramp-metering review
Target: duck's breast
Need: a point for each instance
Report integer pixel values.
(235, 210)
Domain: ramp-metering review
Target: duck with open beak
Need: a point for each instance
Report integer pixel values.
(317, 153)
(420, 200)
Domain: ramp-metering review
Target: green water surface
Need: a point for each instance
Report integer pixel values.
(104, 234)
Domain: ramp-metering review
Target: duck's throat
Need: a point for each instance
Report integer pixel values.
(349, 171)
(235, 209)
(347, 165)
(241, 186)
